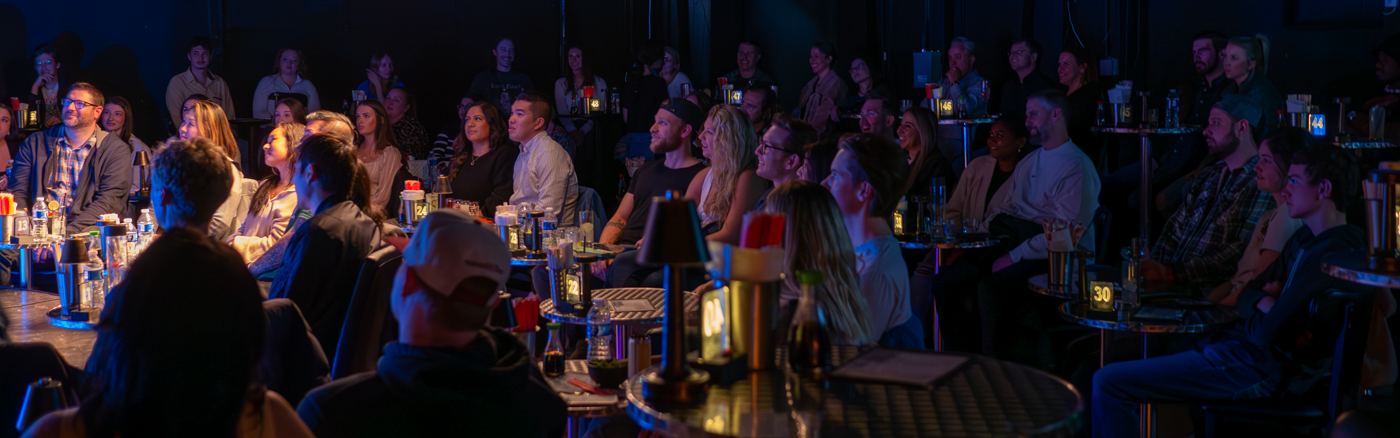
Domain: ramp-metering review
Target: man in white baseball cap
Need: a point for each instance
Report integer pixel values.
(447, 366)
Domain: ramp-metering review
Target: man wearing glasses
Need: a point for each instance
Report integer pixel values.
(780, 152)
(1025, 61)
(82, 169)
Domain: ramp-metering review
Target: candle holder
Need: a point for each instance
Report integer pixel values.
(673, 241)
(142, 162)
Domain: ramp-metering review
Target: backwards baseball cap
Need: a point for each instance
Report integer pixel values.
(451, 247)
(1391, 46)
(1241, 107)
(687, 112)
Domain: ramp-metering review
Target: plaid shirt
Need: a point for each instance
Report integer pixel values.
(70, 165)
(1205, 238)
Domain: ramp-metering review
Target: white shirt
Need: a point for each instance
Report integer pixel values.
(674, 88)
(1059, 183)
(544, 175)
(884, 282)
(263, 108)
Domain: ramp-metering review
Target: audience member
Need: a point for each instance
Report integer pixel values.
(1206, 51)
(198, 80)
(285, 82)
(642, 95)
(676, 80)
(780, 154)
(1388, 74)
(207, 120)
(500, 85)
(48, 88)
(403, 118)
(83, 168)
(747, 75)
(816, 239)
(381, 77)
(1080, 78)
(378, 152)
(1054, 181)
(816, 163)
(963, 85)
(322, 261)
(1272, 352)
(141, 383)
(289, 110)
(578, 73)
(1275, 227)
(705, 102)
(865, 179)
(675, 130)
(1024, 58)
(543, 173)
(729, 187)
(274, 204)
(1205, 237)
(917, 132)
(442, 145)
(878, 116)
(449, 373)
(483, 141)
(1245, 61)
(868, 83)
(330, 122)
(116, 119)
(6, 160)
(816, 104)
(760, 104)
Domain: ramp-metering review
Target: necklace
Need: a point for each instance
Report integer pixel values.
(476, 157)
(1389, 89)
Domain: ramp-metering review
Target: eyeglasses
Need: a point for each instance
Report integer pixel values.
(764, 147)
(1019, 52)
(77, 103)
(43, 63)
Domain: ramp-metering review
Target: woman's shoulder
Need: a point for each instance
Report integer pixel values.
(280, 416)
(62, 423)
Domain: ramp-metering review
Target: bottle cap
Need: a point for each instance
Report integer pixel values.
(809, 277)
(553, 326)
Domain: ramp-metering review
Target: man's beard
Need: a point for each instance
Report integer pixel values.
(1221, 150)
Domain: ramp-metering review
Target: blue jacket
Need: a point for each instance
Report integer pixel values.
(103, 185)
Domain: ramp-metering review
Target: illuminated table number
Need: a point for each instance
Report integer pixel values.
(712, 325)
(1101, 296)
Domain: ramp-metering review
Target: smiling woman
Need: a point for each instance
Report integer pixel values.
(285, 82)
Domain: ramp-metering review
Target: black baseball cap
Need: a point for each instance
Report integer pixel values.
(688, 112)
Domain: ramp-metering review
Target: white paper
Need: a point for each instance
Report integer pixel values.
(631, 306)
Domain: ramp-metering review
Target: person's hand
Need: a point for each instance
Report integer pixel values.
(41, 80)
(1002, 262)
(373, 76)
(577, 136)
(600, 269)
(1273, 288)
(43, 255)
(954, 75)
(1156, 271)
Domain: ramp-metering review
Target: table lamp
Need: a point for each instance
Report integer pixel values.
(70, 312)
(673, 240)
(142, 163)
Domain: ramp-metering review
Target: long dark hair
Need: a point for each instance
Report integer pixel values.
(339, 171)
(292, 133)
(125, 133)
(159, 370)
(383, 133)
(462, 147)
(588, 78)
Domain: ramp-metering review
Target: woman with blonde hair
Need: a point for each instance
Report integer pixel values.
(274, 204)
(816, 239)
(730, 186)
(376, 150)
(1245, 61)
(206, 119)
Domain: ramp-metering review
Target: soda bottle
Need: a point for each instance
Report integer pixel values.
(1173, 109)
(600, 331)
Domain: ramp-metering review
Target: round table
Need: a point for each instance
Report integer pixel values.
(26, 311)
(1355, 266)
(624, 321)
(1144, 157)
(26, 258)
(938, 247)
(1358, 145)
(1040, 284)
(967, 125)
(578, 369)
(984, 397)
(1194, 321)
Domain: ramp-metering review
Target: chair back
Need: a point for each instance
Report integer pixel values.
(590, 200)
(21, 364)
(1345, 317)
(368, 323)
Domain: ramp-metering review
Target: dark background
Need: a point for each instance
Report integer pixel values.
(132, 48)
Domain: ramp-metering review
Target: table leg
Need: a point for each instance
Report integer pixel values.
(937, 332)
(621, 333)
(1103, 347)
(967, 143)
(1147, 419)
(1145, 195)
(26, 267)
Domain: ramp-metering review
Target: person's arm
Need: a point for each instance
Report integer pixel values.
(746, 194)
(260, 95)
(1243, 217)
(553, 176)
(221, 225)
(504, 177)
(113, 186)
(613, 230)
(271, 259)
(251, 246)
(313, 98)
(20, 173)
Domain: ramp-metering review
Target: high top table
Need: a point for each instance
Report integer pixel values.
(26, 312)
(1145, 195)
(967, 125)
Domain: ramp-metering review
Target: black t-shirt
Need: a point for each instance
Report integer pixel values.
(999, 177)
(642, 98)
(488, 181)
(501, 87)
(652, 180)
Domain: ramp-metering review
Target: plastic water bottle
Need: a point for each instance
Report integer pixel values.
(600, 331)
(145, 229)
(1173, 109)
(40, 229)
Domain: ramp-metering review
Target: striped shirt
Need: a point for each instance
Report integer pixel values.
(1205, 238)
(62, 183)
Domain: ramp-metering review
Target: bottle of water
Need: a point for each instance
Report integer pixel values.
(40, 229)
(145, 229)
(549, 225)
(600, 331)
(1101, 119)
(1173, 109)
